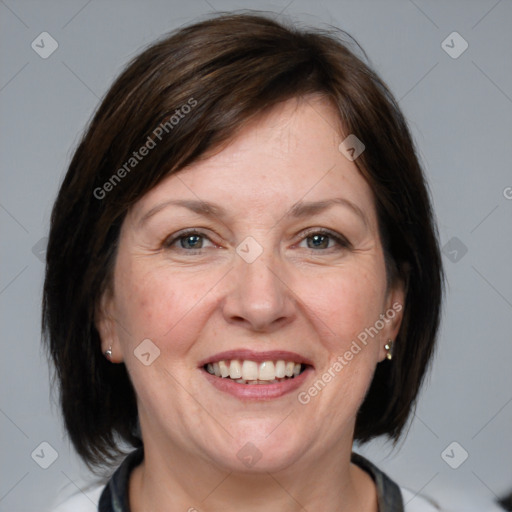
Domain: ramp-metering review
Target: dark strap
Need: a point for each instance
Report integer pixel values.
(388, 492)
(115, 496)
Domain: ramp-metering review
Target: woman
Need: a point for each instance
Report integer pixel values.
(243, 276)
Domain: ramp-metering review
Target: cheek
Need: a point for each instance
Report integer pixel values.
(158, 304)
(348, 302)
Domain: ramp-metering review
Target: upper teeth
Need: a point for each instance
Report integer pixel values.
(250, 370)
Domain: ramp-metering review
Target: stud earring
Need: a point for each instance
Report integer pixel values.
(389, 349)
(108, 353)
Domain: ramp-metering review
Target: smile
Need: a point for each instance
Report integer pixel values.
(256, 375)
(252, 372)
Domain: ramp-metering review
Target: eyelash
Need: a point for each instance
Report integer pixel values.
(168, 242)
(336, 237)
(341, 241)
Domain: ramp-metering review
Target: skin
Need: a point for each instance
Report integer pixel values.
(193, 303)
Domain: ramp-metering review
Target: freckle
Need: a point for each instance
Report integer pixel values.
(143, 305)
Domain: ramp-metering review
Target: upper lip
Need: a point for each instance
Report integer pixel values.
(257, 357)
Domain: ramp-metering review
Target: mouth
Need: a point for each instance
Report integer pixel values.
(256, 375)
(252, 372)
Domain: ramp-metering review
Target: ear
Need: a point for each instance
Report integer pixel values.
(392, 315)
(105, 323)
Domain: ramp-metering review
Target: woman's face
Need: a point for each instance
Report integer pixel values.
(260, 261)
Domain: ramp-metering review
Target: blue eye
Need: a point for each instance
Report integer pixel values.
(187, 241)
(318, 241)
(321, 239)
(191, 241)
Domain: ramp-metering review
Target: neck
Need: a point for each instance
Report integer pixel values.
(172, 480)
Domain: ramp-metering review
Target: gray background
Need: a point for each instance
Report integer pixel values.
(460, 114)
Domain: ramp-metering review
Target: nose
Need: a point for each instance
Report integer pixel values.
(259, 296)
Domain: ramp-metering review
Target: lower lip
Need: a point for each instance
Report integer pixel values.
(257, 391)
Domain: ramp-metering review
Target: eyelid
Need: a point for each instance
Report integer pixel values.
(174, 237)
(337, 237)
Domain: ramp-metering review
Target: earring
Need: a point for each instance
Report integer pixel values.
(108, 353)
(389, 349)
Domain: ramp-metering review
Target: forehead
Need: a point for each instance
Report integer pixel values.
(288, 154)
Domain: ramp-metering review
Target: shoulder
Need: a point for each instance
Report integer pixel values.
(81, 501)
(416, 503)
(391, 497)
(449, 500)
(107, 495)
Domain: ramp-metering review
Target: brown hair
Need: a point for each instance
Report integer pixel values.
(227, 70)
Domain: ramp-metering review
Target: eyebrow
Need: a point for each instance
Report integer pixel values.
(200, 207)
(305, 209)
(298, 210)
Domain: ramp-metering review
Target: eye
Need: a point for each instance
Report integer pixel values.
(323, 239)
(187, 241)
(191, 242)
(318, 241)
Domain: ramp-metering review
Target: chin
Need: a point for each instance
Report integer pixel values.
(265, 446)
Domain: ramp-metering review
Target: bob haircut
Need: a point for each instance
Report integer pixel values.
(181, 98)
